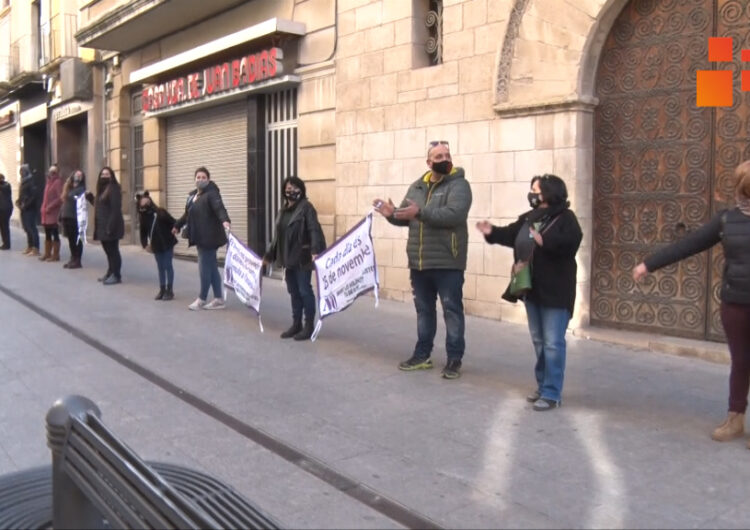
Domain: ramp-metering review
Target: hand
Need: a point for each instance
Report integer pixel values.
(537, 237)
(315, 256)
(227, 226)
(639, 272)
(174, 231)
(385, 209)
(407, 213)
(148, 249)
(485, 227)
(265, 262)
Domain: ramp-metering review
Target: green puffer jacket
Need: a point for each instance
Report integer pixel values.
(438, 238)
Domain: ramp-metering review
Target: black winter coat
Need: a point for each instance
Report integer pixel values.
(553, 267)
(109, 224)
(6, 198)
(204, 217)
(156, 229)
(731, 228)
(303, 237)
(27, 195)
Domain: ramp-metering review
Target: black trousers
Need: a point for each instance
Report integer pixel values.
(70, 229)
(5, 227)
(114, 261)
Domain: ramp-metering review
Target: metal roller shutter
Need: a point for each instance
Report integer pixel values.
(217, 139)
(9, 160)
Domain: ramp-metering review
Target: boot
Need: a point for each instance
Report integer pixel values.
(55, 256)
(26, 252)
(733, 427)
(47, 248)
(306, 332)
(34, 251)
(161, 293)
(75, 263)
(168, 294)
(293, 330)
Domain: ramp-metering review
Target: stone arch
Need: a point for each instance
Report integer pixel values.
(568, 45)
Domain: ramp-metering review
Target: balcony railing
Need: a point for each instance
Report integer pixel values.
(58, 38)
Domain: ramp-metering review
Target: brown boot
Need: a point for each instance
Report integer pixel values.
(47, 248)
(733, 427)
(55, 256)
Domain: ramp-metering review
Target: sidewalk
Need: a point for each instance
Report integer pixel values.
(629, 448)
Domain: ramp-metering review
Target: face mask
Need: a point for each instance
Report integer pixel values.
(293, 195)
(535, 199)
(442, 168)
(201, 184)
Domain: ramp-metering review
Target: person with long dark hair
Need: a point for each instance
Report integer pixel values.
(6, 210)
(74, 187)
(731, 228)
(206, 220)
(51, 204)
(27, 202)
(547, 237)
(156, 236)
(109, 225)
(298, 239)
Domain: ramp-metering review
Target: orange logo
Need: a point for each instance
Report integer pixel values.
(714, 87)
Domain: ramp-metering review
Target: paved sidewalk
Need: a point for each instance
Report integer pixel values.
(629, 448)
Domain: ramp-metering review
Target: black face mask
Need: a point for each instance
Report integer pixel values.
(442, 168)
(146, 209)
(535, 199)
(293, 195)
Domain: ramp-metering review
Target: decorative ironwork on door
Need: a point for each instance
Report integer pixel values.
(662, 165)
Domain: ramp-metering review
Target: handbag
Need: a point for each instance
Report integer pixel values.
(520, 272)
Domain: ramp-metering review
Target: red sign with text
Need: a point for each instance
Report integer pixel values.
(231, 75)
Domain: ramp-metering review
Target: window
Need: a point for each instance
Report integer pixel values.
(427, 33)
(434, 22)
(136, 140)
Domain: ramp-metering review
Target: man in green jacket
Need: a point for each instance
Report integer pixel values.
(435, 209)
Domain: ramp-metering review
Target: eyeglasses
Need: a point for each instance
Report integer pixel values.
(435, 143)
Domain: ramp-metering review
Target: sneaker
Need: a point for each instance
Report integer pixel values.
(543, 404)
(533, 397)
(452, 369)
(112, 280)
(416, 363)
(197, 305)
(216, 303)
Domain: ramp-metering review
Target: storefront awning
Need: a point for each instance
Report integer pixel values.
(269, 27)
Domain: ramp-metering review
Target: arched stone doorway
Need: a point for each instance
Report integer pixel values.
(662, 165)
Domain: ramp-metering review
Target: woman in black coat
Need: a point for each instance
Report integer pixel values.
(731, 228)
(207, 222)
(28, 203)
(548, 236)
(156, 236)
(109, 225)
(6, 210)
(298, 239)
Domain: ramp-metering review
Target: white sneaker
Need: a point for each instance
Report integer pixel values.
(197, 305)
(216, 303)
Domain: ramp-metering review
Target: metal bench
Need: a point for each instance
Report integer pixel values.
(96, 481)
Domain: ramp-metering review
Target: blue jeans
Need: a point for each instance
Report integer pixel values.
(426, 286)
(299, 287)
(28, 222)
(164, 264)
(547, 326)
(208, 270)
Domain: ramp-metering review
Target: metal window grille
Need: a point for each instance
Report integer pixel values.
(281, 150)
(434, 22)
(138, 157)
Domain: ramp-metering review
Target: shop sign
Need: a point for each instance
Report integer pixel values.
(71, 109)
(7, 119)
(213, 80)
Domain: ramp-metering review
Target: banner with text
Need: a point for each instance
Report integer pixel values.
(346, 270)
(242, 274)
(82, 215)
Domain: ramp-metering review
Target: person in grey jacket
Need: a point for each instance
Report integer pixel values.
(6, 210)
(435, 209)
(731, 228)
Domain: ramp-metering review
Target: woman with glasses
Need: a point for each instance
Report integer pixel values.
(547, 237)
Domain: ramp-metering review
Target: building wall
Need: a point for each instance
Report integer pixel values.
(511, 96)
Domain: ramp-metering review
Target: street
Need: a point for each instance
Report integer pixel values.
(370, 446)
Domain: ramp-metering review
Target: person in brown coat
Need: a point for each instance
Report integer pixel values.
(51, 204)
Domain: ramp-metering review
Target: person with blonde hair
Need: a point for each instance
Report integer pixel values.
(731, 228)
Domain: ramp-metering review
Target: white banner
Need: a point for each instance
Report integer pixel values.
(346, 270)
(242, 274)
(82, 215)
